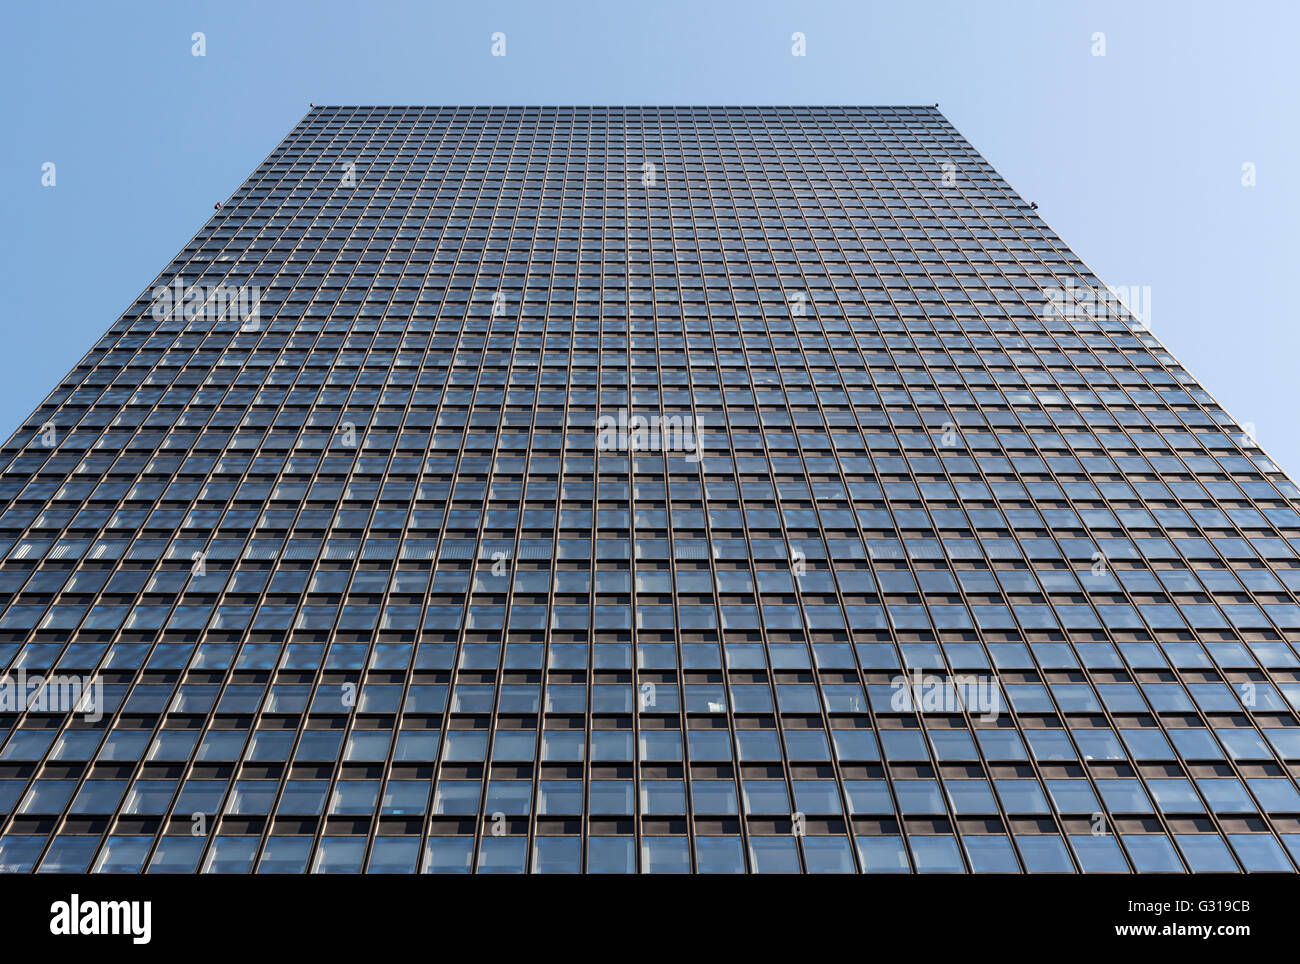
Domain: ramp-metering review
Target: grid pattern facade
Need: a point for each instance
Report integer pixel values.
(366, 590)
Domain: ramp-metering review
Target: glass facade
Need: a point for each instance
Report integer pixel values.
(640, 490)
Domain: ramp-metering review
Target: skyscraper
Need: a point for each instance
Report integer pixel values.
(640, 490)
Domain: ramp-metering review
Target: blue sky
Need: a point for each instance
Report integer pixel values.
(1134, 157)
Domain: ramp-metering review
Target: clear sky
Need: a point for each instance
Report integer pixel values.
(1135, 157)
